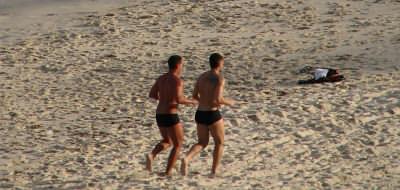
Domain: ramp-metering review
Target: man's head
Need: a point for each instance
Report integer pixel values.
(216, 61)
(175, 63)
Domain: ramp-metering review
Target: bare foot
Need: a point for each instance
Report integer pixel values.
(149, 162)
(184, 166)
(165, 175)
(212, 175)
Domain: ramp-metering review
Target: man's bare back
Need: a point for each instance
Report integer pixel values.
(207, 86)
(209, 91)
(167, 86)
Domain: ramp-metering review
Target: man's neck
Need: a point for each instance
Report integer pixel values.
(216, 71)
(174, 72)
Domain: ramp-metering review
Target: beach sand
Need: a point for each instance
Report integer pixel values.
(74, 112)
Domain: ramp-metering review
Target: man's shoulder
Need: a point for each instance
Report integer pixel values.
(162, 76)
(170, 79)
(203, 74)
(212, 78)
(219, 77)
(176, 80)
(209, 74)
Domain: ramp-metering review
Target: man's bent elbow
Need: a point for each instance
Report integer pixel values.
(181, 101)
(196, 98)
(153, 96)
(220, 101)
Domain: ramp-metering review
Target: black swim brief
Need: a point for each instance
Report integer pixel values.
(167, 120)
(207, 117)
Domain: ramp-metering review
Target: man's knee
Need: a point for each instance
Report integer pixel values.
(203, 144)
(219, 143)
(164, 146)
(166, 143)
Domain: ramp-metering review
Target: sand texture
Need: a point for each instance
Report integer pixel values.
(74, 112)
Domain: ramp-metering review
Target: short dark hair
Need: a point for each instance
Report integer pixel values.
(173, 61)
(215, 58)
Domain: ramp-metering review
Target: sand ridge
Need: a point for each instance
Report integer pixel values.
(75, 114)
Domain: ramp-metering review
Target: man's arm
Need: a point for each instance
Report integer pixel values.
(219, 94)
(196, 91)
(154, 91)
(181, 99)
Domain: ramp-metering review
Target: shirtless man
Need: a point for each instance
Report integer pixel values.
(168, 90)
(209, 92)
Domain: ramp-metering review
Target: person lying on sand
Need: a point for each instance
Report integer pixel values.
(168, 90)
(321, 75)
(208, 91)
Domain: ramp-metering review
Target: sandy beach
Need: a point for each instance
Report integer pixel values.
(74, 81)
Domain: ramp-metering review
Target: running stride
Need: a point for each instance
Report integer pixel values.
(209, 92)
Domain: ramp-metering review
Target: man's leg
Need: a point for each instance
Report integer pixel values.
(203, 138)
(217, 132)
(176, 134)
(164, 144)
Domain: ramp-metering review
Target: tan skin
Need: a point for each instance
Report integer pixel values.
(168, 90)
(209, 92)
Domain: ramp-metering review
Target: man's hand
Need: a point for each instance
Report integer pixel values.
(193, 102)
(229, 102)
(186, 101)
